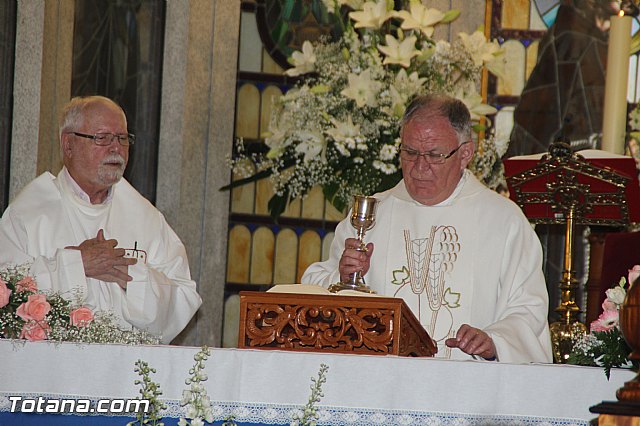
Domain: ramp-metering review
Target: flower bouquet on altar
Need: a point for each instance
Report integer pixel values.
(27, 313)
(338, 127)
(605, 346)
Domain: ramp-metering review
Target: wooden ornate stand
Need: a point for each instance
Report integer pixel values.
(331, 323)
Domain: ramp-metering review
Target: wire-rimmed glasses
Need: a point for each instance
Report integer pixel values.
(106, 139)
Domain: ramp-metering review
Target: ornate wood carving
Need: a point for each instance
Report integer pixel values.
(331, 323)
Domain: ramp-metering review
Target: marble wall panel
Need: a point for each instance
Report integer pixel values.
(27, 89)
(56, 92)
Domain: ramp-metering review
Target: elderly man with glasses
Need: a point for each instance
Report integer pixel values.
(87, 228)
(464, 258)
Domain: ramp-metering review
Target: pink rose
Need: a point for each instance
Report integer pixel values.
(634, 273)
(35, 331)
(35, 308)
(4, 294)
(26, 284)
(608, 305)
(81, 317)
(606, 321)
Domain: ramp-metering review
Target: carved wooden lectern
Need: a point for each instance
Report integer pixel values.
(331, 323)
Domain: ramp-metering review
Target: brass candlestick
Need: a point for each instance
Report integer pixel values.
(363, 217)
(565, 331)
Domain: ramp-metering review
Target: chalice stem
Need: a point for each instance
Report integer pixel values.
(357, 278)
(362, 246)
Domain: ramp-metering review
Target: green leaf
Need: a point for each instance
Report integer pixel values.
(479, 128)
(260, 175)
(277, 204)
(330, 192)
(450, 15)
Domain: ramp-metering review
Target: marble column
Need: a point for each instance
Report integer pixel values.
(196, 133)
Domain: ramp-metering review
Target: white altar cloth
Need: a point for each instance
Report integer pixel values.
(264, 386)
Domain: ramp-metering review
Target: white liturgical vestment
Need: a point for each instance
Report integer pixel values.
(472, 259)
(49, 215)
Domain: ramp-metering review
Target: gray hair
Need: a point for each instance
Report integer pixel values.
(74, 111)
(454, 110)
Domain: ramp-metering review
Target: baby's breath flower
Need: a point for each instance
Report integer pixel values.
(337, 127)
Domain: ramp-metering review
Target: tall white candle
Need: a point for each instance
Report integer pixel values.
(615, 96)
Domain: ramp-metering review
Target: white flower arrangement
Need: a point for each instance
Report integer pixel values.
(197, 404)
(338, 127)
(195, 399)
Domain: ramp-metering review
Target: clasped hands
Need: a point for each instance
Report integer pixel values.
(469, 340)
(103, 261)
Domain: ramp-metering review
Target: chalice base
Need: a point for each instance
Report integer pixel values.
(361, 287)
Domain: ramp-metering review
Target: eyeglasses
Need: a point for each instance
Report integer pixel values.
(408, 154)
(106, 139)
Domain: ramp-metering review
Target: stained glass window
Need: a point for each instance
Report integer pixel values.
(117, 53)
(7, 48)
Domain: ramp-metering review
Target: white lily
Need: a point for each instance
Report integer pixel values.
(276, 138)
(473, 101)
(310, 142)
(403, 87)
(398, 102)
(362, 89)
(399, 52)
(372, 15)
(343, 130)
(419, 17)
(480, 49)
(412, 82)
(497, 65)
(303, 61)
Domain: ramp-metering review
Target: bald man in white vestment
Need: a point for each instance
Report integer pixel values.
(464, 258)
(87, 228)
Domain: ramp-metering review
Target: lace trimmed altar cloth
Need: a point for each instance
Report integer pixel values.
(267, 387)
